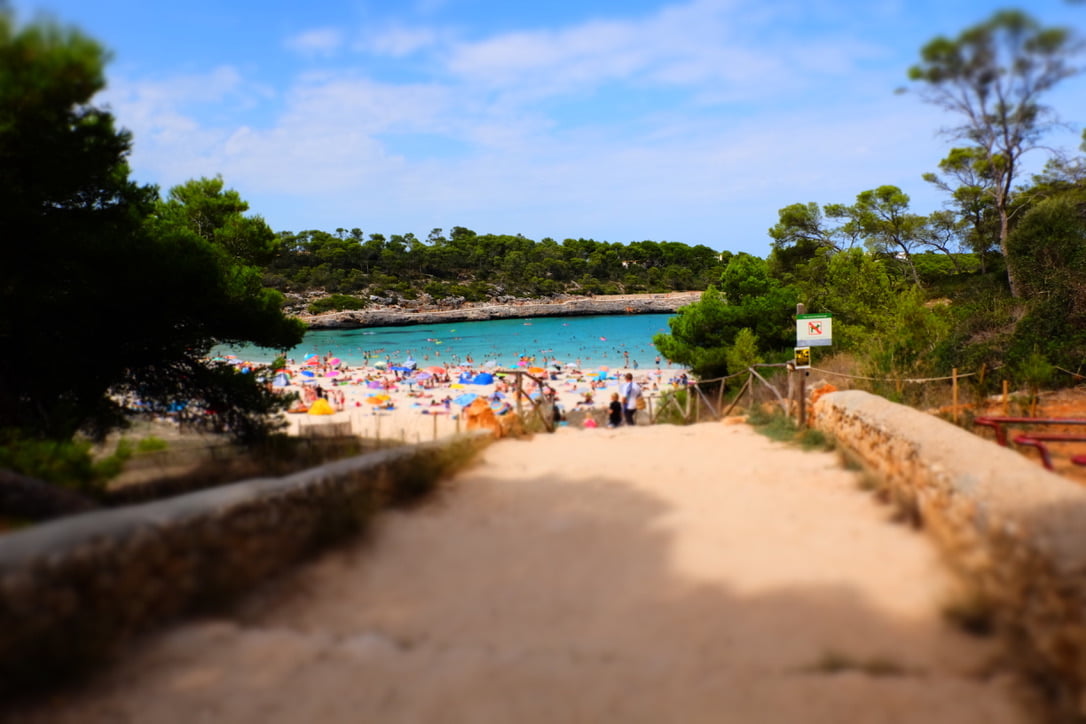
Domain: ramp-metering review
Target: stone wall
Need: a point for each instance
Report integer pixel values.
(1015, 531)
(72, 589)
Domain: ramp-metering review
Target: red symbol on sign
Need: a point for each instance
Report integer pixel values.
(814, 327)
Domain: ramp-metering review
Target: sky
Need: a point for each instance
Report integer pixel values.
(693, 121)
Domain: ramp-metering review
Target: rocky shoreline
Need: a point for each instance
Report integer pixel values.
(572, 307)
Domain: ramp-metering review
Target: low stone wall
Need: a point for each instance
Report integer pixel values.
(70, 590)
(1015, 531)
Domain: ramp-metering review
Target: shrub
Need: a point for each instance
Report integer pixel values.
(67, 463)
(336, 303)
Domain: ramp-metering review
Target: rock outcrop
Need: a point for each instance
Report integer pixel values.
(580, 307)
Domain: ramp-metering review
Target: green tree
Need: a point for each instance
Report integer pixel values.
(218, 216)
(965, 178)
(881, 218)
(99, 298)
(855, 287)
(744, 351)
(1048, 251)
(906, 337)
(803, 226)
(993, 76)
(702, 333)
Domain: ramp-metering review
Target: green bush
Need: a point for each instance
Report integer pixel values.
(67, 463)
(151, 444)
(336, 303)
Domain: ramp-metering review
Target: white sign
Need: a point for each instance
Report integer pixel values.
(814, 330)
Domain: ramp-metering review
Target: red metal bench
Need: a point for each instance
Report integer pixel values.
(999, 423)
(1039, 439)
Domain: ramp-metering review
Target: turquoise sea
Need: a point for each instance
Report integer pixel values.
(586, 341)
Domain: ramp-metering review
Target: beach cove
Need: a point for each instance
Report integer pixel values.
(362, 371)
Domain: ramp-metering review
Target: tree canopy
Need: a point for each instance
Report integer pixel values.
(993, 76)
(106, 295)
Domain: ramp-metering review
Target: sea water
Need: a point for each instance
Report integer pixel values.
(587, 342)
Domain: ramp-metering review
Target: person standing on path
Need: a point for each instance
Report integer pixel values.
(631, 393)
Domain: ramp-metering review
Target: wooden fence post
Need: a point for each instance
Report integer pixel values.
(954, 393)
(801, 396)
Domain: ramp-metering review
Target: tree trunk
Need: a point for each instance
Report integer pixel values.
(1004, 232)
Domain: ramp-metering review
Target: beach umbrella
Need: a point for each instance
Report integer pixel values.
(439, 371)
(536, 370)
(308, 373)
(423, 376)
(484, 378)
(378, 399)
(400, 368)
(332, 373)
(334, 361)
(311, 354)
(321, 407)
(465, 399)
(313, 361)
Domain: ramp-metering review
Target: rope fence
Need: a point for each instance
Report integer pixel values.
(794, 401)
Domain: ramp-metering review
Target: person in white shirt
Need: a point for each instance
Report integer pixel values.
(630, 392)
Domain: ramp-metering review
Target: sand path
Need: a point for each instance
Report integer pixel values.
(698, 574)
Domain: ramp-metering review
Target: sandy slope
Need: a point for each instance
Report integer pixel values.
(699, 574)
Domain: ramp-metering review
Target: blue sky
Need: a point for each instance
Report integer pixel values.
(691, 121)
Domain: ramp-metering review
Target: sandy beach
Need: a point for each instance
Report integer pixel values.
(392, 402)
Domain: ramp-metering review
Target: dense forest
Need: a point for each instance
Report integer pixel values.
(355, 270)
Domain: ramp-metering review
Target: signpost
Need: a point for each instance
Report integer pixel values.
(812, 330)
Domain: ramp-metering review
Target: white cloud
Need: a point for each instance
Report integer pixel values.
(317, 41)
(398, 42)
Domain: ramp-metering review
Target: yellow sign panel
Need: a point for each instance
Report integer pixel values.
(803, 357)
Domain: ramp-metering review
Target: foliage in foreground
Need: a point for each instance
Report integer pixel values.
(68, 463)
(107, 294)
